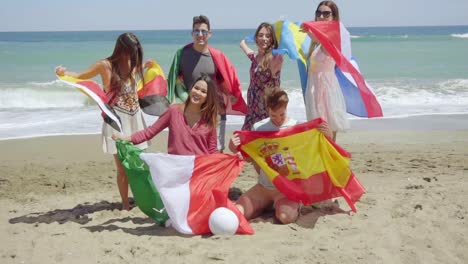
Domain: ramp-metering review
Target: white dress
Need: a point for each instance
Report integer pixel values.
(323, 96)
(126, 106)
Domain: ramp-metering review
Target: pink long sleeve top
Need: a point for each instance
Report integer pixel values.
(183, 139)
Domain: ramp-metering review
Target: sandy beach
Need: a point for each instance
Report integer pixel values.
(59, 200)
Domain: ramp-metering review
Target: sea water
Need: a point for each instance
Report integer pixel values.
(412, 70)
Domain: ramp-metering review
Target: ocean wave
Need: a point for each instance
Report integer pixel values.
(41, 95)
(39, 135)
(447, 94)
(27, 98)
(381, 37)
(403, 97)
(397, 97)
(54, 83)
(464, 36)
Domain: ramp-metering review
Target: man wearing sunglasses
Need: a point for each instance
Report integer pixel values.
(199, 58)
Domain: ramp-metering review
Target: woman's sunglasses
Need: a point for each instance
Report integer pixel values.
(325, 14)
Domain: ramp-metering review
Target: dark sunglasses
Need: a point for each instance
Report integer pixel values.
(326, 14)
(198, 31)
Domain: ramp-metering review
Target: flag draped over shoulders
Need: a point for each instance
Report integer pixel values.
(335, 39)
(303, 163)
(152, 91)
(191, 187)
(177, 90)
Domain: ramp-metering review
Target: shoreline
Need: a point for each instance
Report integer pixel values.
(431, 122)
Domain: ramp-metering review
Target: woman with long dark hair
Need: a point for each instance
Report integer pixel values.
(120, 74)
(192, 124)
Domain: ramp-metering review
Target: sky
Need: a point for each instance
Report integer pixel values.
(84, 15)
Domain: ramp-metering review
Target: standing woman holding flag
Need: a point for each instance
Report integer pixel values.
(265, 73)
(323, 97)
(120, 74)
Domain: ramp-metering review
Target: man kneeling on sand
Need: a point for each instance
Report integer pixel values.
(264, 194)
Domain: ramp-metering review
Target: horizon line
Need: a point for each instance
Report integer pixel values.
(110, 30)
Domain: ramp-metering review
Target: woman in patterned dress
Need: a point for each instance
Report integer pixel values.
(120, 74)
(265, 72)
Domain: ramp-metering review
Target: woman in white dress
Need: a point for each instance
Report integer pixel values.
(323, 96)
(120, 74)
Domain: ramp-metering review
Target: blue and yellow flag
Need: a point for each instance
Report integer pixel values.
(295, 43)
(335, 39)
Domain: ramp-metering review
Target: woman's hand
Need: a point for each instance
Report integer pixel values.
(60, 70)
(242, 42)
(309, 33)
(244, 47)
(149, 63)
(117, 136)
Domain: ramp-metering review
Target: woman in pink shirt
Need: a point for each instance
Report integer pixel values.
(192, 125)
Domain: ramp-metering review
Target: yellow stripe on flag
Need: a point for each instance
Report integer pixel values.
(154, 71)
(299, 38)
(71, 79)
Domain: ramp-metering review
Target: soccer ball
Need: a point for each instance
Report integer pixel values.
(223, 222)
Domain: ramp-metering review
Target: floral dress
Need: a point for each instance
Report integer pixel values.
(260, 81)
(126, 106)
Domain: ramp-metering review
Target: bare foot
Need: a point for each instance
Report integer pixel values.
(126, 206)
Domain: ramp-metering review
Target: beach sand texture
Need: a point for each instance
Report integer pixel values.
(59, 200)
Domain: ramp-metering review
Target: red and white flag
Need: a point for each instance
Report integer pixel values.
(335, 38)
(191, 187)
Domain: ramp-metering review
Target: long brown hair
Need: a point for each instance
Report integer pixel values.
(336, 17)
(209, 108)
(126, 46)
(268, 56)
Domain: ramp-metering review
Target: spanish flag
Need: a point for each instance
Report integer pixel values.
(303, 163)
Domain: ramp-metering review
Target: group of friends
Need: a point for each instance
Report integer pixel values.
(208, 76)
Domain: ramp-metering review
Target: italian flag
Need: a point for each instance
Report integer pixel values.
(191, 187)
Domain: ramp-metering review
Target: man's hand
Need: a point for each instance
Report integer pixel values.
(234, 143)
(325, 129)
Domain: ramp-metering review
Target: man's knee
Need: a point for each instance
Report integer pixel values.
(287, 211)
(286, 218)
